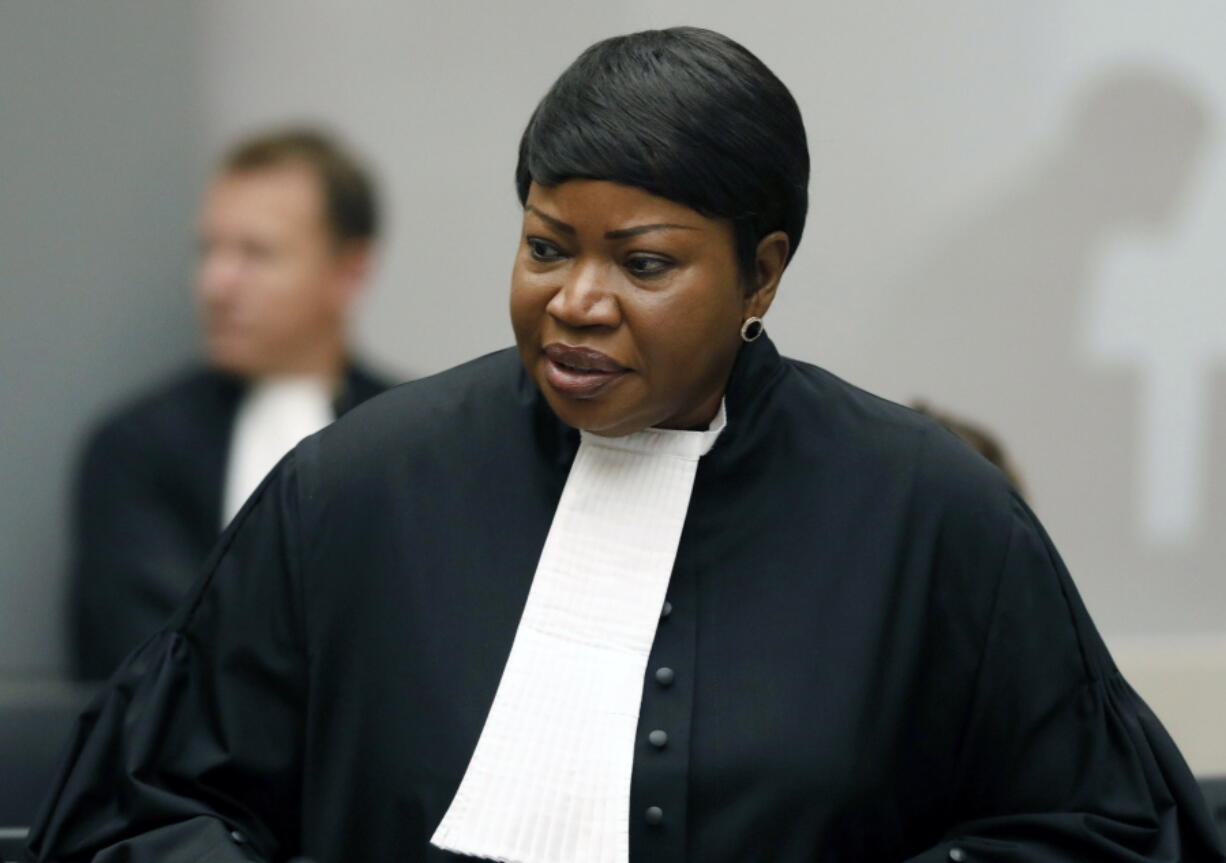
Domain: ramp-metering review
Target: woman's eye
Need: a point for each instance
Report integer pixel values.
(543, 250)
(645, 266)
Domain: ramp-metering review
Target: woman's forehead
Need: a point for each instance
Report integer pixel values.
(604, 206)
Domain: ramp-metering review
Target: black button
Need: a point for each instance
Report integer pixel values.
(664, 676)
(654, 815)
(658, 738)
(238, 838)
(957, 855)
(666, 610)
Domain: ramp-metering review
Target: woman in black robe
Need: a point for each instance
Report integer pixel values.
(868, 648)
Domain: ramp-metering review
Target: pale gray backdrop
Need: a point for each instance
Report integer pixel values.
(1016, 214)
(100, 158)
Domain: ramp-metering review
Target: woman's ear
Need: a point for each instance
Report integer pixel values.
(769, 262)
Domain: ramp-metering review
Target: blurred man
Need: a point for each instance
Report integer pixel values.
(286, 230)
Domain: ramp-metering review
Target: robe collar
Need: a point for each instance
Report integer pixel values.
(756, 371)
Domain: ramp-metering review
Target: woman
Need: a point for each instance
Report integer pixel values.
(645, 590)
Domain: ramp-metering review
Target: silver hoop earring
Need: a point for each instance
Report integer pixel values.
(752, 328)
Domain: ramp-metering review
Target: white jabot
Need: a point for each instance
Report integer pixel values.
(273, 416)
(549, 780)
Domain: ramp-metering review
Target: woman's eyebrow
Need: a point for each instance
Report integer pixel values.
(619, 234)
(557, 224)
(622, 233)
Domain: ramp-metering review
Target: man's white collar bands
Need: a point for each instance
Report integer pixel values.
(272, 417)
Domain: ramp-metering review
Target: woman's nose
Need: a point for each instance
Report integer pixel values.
(586, 298)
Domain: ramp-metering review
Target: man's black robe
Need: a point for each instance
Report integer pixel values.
(147, 509)
(873, 652)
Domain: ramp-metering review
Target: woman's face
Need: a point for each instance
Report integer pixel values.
(627, 307)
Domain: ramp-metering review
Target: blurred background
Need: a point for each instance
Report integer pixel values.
(1017, 215)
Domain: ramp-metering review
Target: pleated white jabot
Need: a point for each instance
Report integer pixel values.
(549, 780)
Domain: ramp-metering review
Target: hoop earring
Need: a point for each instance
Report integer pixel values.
(752, 328)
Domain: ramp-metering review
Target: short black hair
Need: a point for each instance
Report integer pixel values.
(686, 114)
(351, 206)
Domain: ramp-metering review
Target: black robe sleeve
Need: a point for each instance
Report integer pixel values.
(1060, 759)
(193, 752)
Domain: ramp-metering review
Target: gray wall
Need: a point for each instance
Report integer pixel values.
(99, 163)
(1016, 214)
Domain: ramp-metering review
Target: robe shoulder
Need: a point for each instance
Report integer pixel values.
(948, 484)
(439, 416)
(925, 520)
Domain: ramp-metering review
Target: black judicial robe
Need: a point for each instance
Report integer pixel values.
(147, 508)
(873, 652)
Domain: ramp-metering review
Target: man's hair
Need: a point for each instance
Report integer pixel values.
(350, 205)
(686, 114)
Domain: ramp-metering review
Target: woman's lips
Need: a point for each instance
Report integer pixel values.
(578, 372)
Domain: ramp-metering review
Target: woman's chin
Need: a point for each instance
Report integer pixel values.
(602, 416)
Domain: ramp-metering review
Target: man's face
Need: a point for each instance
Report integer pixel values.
(271, 283)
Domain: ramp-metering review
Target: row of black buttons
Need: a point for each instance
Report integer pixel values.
(659, 738)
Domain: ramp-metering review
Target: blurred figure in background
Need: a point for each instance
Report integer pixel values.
(287, 230)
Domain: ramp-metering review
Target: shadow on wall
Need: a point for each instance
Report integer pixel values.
(995, 322)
